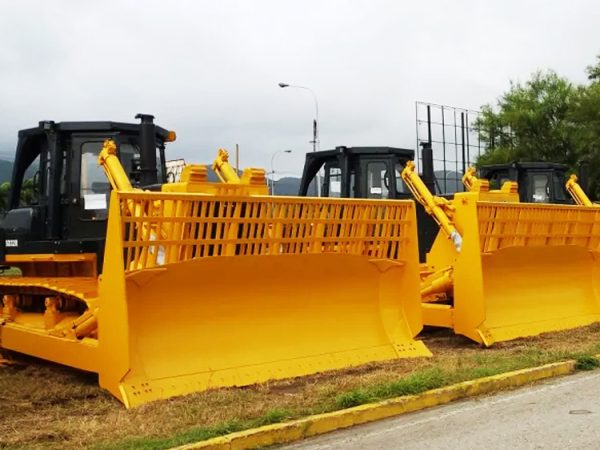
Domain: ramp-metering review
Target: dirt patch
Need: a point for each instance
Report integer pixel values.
(45, 405)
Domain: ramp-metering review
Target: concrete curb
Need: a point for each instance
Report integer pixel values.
(296, 430)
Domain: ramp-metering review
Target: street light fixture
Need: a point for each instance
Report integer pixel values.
(316, 126)
(273, 169)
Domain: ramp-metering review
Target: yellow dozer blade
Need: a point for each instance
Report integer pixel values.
(523, 269)
(232, 291)
(207, 290)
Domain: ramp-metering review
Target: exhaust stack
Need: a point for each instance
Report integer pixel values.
(149, 173)
(428, 174)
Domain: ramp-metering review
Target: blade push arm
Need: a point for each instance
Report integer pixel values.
(223, 169)
(119, 181)
(113, 169)
(437, 207)
(474, 184)
(577, 192)
(508, 192)
(252, 177)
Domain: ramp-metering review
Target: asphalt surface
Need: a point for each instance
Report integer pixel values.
(562, 413)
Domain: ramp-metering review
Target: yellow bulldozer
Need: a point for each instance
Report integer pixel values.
(167, 289)
(509, 258)
(500, 269)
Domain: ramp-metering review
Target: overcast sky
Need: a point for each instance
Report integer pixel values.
(209, 69)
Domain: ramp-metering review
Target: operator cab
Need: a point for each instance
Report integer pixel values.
(59, 194)
(539, 182)
(357, 172)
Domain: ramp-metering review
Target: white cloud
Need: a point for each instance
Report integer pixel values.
(210, 69)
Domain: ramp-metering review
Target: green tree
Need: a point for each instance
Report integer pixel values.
(531, 122)
(594, 71)
(4, 189)
(28, 195)
(547, 118)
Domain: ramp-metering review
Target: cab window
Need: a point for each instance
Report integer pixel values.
(377, 180)
(560, 192)
(93, 178)
(129, 151)
(541, 188)
(334, 182)
(94, 186)
(401, 187)
(30, 189)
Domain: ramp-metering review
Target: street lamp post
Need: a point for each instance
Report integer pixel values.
(273, 169)
(316, 126)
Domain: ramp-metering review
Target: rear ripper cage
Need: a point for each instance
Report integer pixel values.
(455, 142)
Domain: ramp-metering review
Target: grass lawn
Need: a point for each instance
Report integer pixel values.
(44, 405)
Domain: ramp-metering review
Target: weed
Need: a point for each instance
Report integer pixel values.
(412, 384)
(353, 398)
(586, 362)
(274, 416)
(415, 383)
(191, 435)
(481, 372)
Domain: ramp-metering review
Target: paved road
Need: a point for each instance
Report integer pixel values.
(559, 414)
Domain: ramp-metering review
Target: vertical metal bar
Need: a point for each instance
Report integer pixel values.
(462, 140)
(468, 144)
(417, 155)
(237, 158)
(53, 170)
(444, 151)
(314, 143)
(430, 146)
(455, 145)
(429, 123)
(478, 140)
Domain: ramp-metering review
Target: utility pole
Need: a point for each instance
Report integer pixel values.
(316, 127)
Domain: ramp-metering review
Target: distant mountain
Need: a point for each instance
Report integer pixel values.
(212, 176)
(287, 186)
(5, 170)
(453, 182)
(283, 186)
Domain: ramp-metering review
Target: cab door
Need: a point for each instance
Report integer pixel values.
(88, 189)
(377, 178)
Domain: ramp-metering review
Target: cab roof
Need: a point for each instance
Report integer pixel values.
(70, 127)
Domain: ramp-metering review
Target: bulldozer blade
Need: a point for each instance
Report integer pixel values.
(550, 289)
(284, 307)
(278, 317)
(524, 269)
